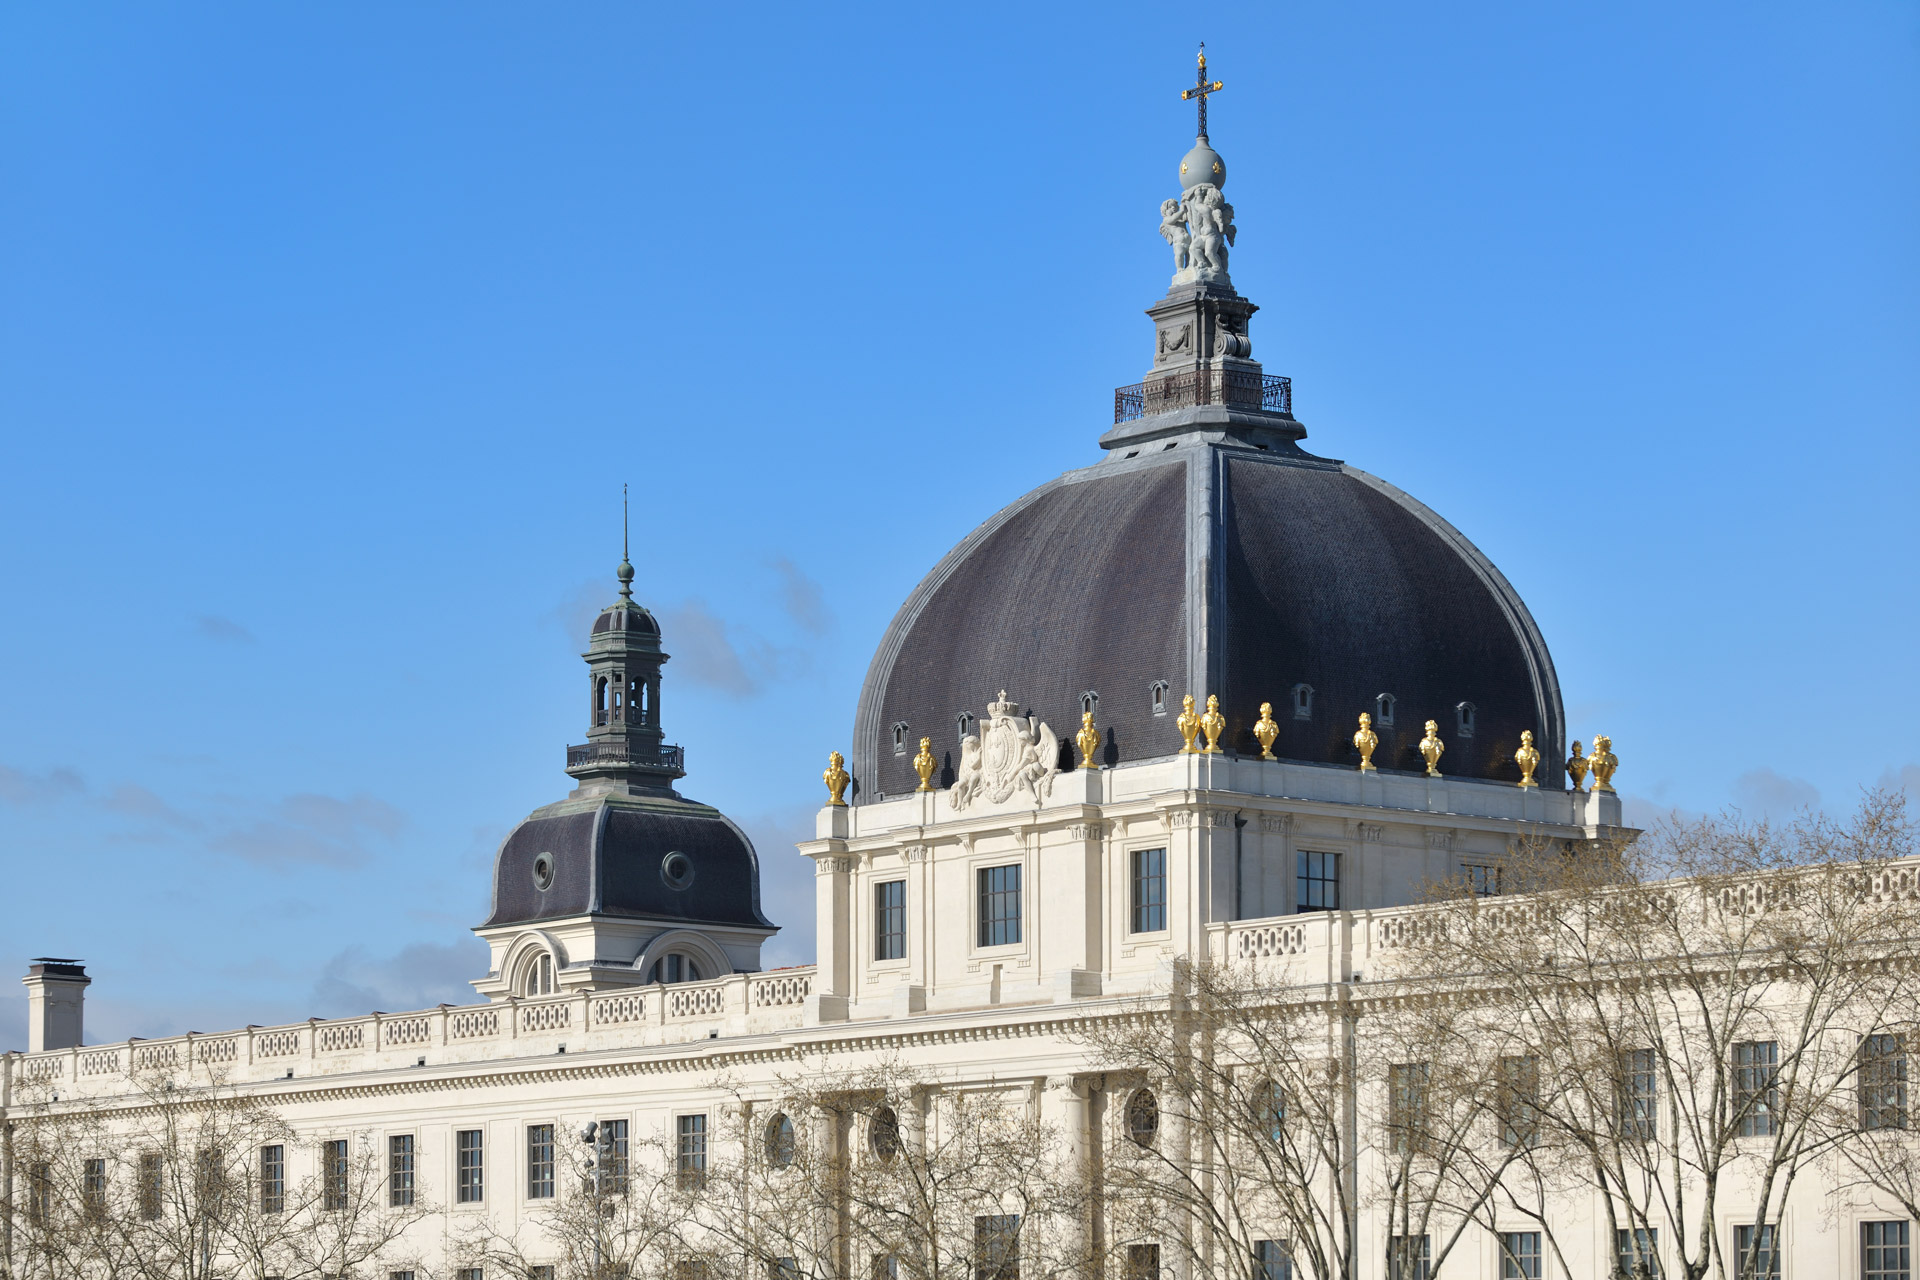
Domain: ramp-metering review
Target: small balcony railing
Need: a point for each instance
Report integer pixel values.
(1231, 387)
(593, 753)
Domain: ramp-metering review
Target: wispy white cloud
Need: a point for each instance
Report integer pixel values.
(1762, 793)
(317, 829)
(211, 626)
(802, 598)
(417, 976)
(17, 786)
(136, 801)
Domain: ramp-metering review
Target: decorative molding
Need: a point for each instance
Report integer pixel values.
(1372, 832)
(915, 852)
(1277, 823)
(1440, 840)
(1200, 818)
(834, 866)
(1086, 831)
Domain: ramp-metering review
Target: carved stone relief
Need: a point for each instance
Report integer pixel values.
(1012, 753)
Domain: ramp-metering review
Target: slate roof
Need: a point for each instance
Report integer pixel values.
(1218, 568)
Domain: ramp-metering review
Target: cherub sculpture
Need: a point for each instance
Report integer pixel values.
(1173, 229)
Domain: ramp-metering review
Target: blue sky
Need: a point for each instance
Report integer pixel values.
(329, 333)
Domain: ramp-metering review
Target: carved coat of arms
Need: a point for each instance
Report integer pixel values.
(1011, 753)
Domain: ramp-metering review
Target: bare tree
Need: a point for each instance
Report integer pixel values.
(1690, 1007)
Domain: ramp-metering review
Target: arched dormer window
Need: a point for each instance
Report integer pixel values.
(1464, 715)
(1089, 702)
(675, 966)
(539, 976)
(1383, 709)
(900, 738)
(963, 724)
(1160, 691)
(600, 700)
(1303, 702)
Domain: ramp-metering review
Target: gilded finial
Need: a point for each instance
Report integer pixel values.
(1604, 762)
(836, 777)
(1577, 767)
(1214, 724)
(923, 765)
(1430, 749)
(1189, 726)
(1265, 730)
(625, 571)
(1528, 758)
(1088, 740)
(1365, 742)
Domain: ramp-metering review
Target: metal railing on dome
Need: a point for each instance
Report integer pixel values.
(620, 753)
(1237, 389)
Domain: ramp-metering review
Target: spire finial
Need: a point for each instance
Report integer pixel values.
(1201, 88)
(625, 571)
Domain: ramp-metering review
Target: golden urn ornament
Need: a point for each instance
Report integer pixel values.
(1088, 740)
(1528, 758)
(1266, 731)
(1188, 724)
(1604, 762)
(836, 777)
(923, 765)
(1214, 724)
(1430, 749)
(1577, 767)
(1366, 742)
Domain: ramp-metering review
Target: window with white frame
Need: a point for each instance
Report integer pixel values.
(1482, 881)
(468, 1167)
(1149, 913)
(1409, 1257)
(1520, 1255)
(1316, 882)
(1637, 1095)
(675, 966)
(1756, 1087)
(1885, 1251)
(1271, 1260)
(539, 977)
(1881, 1079)
(400, 1169)
(539, 1162)
(690, 1151)
(890, 920)
(1757, 1251)
(1636, 1252)
(333, 1174)
(999, 899)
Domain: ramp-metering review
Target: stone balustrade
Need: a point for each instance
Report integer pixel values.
(738, 1004)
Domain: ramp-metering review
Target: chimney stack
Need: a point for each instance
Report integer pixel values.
(56, 990)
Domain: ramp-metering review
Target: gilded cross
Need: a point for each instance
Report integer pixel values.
(1201, 89)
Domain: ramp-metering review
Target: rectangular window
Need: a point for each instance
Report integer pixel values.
(783, 1269)
(333, 1174)
(151, 1172)
(613, 1158)
(539, 1162)
(1143, 1262)
(400, 1170)
(1884, 1251)
(1882, 1071)
(886, 1266)
(540, 1273)
(1482, 881)
(1409, 1258)
(39, 1192)
(1520, 1255)
(1316, 885)
(1271, 1260)
(1407, 1105)
(1637, 1095)
(890, 920)
(690, 1151)
(469, 1273)
(1756, 1087)
(1519, 1101)
(209, 1178)
(996, 1247)
(468, 1167)
(1636, 1252)
(999, 905)
(1758, 1251)
(93, 1187)
(1149, 892)
(273, 1178)
(399, 1275)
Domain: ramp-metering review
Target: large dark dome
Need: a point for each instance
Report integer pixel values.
(1216, 565)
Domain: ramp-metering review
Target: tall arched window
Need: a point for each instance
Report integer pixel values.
(539, 979)
(674, 967)
(600, 700)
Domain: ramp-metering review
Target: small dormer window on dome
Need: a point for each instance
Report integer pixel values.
(1089, 703)
(1160, 690)
(1464, 716)
(538, 978)
(675, 966)
(1383, 709)
(900, 738)
(1303, 702)
(963, 724)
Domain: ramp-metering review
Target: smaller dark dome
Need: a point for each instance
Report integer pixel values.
(625, 616)
(669, 860)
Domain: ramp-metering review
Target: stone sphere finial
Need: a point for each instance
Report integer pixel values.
(1202, 164)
